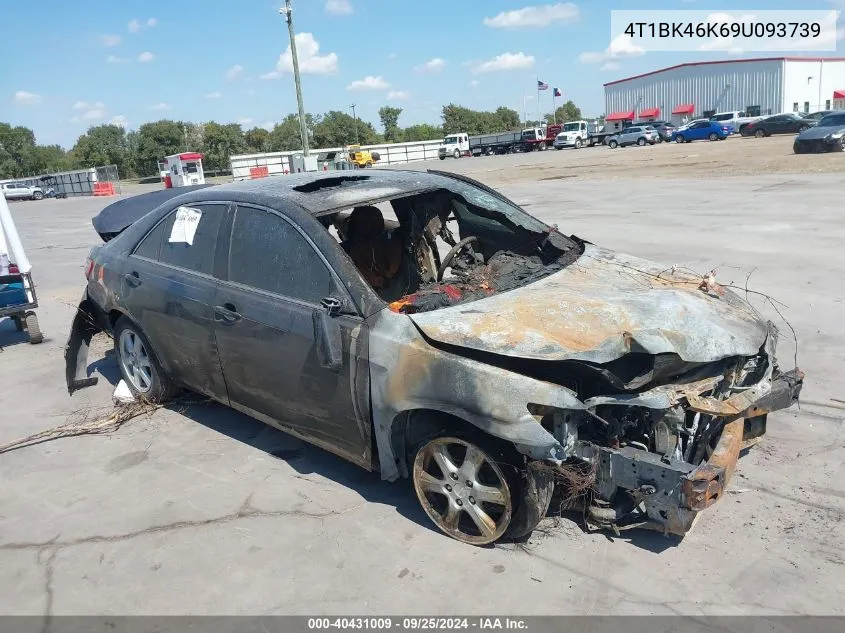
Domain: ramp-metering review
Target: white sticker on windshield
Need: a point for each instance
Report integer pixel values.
(185, 225)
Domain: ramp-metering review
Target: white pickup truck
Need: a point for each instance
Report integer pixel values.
(735, 118)
(20, 191)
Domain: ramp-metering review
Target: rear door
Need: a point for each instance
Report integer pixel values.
(267, 314)
(168, 286)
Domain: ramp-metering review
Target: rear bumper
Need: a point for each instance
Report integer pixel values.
(87, 322)
(673, 492)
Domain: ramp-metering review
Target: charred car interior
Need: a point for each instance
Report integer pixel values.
(490, 357)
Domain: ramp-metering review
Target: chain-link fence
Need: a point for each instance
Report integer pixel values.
(77, 182)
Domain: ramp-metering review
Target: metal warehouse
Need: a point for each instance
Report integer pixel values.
(761, 86)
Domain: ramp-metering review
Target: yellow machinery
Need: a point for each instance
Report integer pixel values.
(361, 158)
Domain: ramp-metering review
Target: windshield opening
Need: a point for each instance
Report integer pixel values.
(450, 140)
(451, 245)
(571, 127)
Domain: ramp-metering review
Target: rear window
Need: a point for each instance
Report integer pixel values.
(191, 252)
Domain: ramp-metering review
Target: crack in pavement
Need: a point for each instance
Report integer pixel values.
(246, 511)
(48, 586)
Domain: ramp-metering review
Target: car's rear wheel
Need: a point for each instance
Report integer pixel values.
(641, 141)
(679, 138)
(37, 195)
(760, 133)
(477, 495)
(138, 364)
(713, 136)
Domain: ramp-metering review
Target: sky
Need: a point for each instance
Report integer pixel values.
(70, 65)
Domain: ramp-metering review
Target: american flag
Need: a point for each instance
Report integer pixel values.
(542, 86)
(557, 92)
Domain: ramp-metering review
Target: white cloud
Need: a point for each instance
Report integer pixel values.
(474, 83)
(505, 61)
(22, 97)
(539, 16)
(609, 66)
(268, 125)
(114, 59)
(369, 83)
(134, 26)
(95, 114)
(398, 95)
(310, 61)
(120, 120)
(234, 72)
(146, 56)
(110, 40)
(338, 7)
(432, 66)
(161, 107)
(80, 105)
(151, 22)
(213, 95)
(244, 121)
(621, 47)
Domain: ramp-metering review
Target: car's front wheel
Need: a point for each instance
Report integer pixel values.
(37, 195)
(679, 138)
(138, 364)
(477, 495)
(612, 144)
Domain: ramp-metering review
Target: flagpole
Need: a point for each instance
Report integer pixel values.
(554, 105)
(538, 101)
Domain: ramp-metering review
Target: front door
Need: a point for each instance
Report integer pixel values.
(168, 288)
(266, 322)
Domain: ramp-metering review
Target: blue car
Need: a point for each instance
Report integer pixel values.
(702, 130)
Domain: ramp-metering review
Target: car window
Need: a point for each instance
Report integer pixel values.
(150, 246)
(832, 120)
(192, 252)
(269, 253)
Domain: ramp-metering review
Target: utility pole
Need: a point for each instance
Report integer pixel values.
(287, 11)
(355, 123)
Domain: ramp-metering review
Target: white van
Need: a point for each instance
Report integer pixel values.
(455, 145)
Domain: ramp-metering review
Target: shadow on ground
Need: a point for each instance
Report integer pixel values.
(9, 334)
(306, 459)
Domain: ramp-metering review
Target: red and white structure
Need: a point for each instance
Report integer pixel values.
(760, 86)
(183, 170)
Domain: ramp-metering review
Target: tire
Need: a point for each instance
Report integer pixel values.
(442, 158)
(518, 497)
(679, 138)
(641, 141)
(713, 136)
(742, 129)
(160, 388)
(37, 195)
(368, 165)
(578, 143)
(612, 144)
(16, 319)
(802, 128)
(32, 328)
(760, 133)
(456, 154)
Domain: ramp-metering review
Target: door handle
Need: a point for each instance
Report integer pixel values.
(132, 279)
(226, 314)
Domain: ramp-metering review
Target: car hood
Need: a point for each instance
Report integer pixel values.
(819, 132)
(599, 308)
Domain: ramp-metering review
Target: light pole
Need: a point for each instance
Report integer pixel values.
(287, 11)
(355, 123)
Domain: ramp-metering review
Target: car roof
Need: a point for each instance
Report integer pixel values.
(320, 193)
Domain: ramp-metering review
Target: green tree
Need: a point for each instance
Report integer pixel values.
(257, 140)
(157, 140)
(102, 145)
(567, 112)
(16, 145)
(460, 119)
(220, 142)
(507, 119)
(390, 122)
(422, 132)
(47, 158)
(285, 136)
(335, 129)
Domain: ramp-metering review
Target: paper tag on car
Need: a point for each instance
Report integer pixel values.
(185, 225)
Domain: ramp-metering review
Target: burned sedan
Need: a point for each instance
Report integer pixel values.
(423, 325)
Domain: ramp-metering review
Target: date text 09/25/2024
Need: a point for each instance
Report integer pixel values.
(417, 623)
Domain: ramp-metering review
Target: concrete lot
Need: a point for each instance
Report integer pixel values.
(205, 511)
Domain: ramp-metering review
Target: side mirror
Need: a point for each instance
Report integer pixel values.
(327, 334)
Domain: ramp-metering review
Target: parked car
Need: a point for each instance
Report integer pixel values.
(817, 116)
(700, 130)
(789, 123)
(21, 191)
(735, 118)
(664, 129)
(827, 136)
(484, 376)
(634, 135)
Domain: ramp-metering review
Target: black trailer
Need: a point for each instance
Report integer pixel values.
(489, 144)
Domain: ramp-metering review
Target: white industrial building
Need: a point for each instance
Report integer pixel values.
(762, 86)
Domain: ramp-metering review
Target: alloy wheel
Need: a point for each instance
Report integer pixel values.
(463, 490)
(135, 361)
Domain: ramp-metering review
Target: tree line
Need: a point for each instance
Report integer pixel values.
(137, 152)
